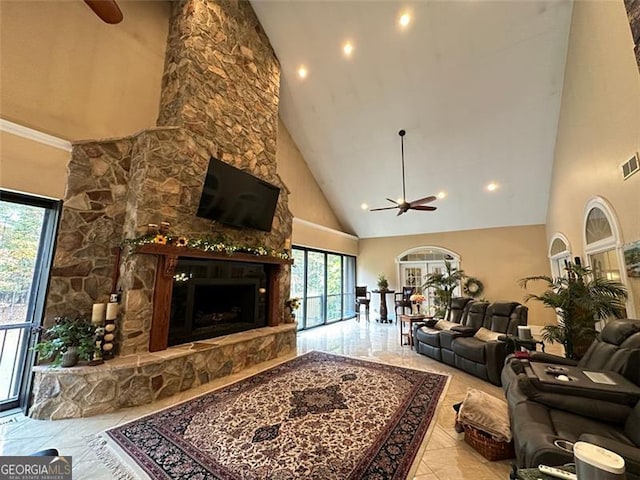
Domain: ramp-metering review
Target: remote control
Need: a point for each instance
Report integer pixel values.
(556, 472)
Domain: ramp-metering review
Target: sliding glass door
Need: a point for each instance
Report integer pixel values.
(334, 287)
(27, 232)
(325, 283)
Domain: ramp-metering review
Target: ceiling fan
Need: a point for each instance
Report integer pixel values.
(107, 10)
(403, 206)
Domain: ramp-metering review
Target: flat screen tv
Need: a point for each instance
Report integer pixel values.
(233, 197)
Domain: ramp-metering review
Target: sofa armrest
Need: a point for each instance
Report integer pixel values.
(631, 454)
(549, 358)
(464, 330)
(495, 353)
(605, 407)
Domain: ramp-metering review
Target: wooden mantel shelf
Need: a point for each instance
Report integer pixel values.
(168, 260)
(173, 251)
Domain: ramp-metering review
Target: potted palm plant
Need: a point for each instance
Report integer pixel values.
(580, 299)
(443, 285)
(67, 341)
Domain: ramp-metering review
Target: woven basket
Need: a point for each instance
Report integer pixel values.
(486, 445)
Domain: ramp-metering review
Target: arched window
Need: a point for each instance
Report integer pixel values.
(603, 244)
(416, 263)
(559, 252)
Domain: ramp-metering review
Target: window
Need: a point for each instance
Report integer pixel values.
(325, 283)
(27, 231)
(559, 253)
(603, 245)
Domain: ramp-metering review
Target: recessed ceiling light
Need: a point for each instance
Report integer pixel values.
(347, 49)
(404, 19)
(364, 206)
(441, 195)
(492, 187)
(302, 71)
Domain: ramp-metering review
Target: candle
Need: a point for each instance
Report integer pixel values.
(97, 313)
(112, 311)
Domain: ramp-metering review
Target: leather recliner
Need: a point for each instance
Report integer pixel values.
(540, 418)
(427, 337)
(485, 359)
(616, 348)
(472, 322)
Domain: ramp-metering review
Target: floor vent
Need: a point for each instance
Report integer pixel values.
(630, 167)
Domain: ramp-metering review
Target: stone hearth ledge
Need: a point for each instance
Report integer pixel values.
(133, 380)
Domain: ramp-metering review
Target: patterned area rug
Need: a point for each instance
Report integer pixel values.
(318, 416)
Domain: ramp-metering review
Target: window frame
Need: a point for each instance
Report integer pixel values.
(345, 313)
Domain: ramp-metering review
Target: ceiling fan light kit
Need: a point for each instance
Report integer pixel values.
(402, 205)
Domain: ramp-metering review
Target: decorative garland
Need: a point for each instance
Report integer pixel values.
(473, 287)
(219, 244)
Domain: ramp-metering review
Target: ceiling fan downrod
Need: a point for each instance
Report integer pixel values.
(403, 205)
(402, 133)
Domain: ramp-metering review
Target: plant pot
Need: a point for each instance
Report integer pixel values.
(70, 357)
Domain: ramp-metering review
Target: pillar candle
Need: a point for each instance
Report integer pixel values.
(97, 314)
(112, 311)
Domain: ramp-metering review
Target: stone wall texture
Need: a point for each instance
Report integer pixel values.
(219, 98)
(139, 380)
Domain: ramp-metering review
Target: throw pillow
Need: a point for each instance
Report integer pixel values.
(487, 413)
(486, 335)
(445, 325)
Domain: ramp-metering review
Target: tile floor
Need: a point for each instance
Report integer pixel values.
(446, 456)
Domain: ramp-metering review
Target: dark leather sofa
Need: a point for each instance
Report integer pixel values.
(458, 347)
(539, 418)
(427, 339)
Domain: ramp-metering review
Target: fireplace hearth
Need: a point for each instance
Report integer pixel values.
(212, 298)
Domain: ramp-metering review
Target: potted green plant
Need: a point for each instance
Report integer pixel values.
(383, 284)
(67, 341)
(580, 299)
(443, 285)
(291, 305)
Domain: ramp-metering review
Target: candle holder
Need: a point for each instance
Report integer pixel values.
(152, 229)
(108, 340)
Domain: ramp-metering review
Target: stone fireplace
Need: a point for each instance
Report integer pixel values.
(219, 98)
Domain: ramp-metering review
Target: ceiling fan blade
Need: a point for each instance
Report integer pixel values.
(107, 10)
(400, 212)
(385, 208)
(392, 201)
(422, 201)
(424, 207)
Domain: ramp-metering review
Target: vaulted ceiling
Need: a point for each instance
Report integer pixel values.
(476, 84)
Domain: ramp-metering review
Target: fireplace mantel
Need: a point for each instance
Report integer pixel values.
(167, 260)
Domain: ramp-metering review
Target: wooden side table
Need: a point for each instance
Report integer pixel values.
(409, 320)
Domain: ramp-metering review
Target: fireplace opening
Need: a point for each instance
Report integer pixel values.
(212, 298)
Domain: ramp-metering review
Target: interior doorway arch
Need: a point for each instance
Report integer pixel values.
(414, 264)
